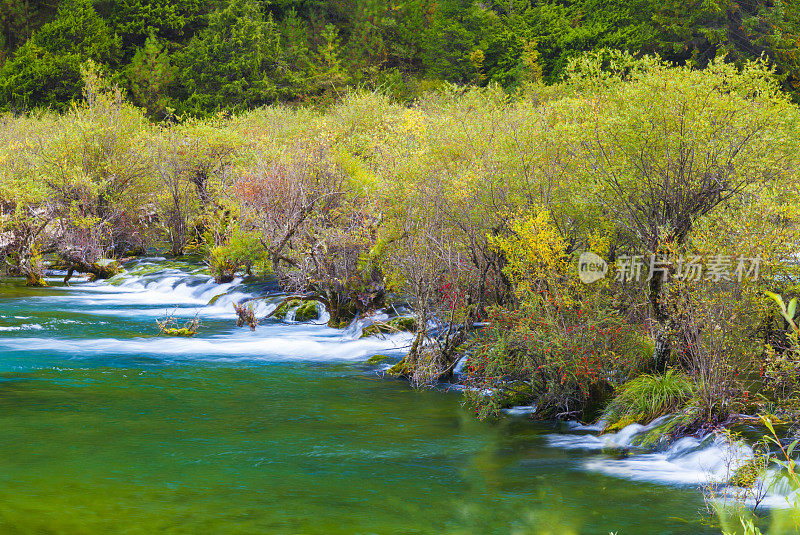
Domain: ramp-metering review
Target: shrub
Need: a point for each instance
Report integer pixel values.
(571, 356)
(241, 252)
(246, 315)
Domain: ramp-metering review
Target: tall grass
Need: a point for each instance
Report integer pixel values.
(649, 396)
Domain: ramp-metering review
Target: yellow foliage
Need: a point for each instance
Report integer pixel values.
(535, 251)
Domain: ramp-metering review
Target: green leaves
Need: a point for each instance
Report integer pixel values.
(787, 312)
(136, 20)
(237, 54)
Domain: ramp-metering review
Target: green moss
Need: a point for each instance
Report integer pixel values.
(104, 269)
(377, 359)
(151, 268)
(343, 324)
(660, 435)
(401, 369)
(178, 332)
(393, 325)
(624, 422)
(307, 311)
(36, 281)
(746, 475)
(286, 307)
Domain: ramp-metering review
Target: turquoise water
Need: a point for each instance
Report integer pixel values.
(107, 428)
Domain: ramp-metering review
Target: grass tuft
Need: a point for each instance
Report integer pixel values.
(648, 397)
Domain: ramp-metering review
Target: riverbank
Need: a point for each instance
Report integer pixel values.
(559, 237)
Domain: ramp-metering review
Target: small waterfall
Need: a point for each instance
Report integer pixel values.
(127, 305)
(689, 461)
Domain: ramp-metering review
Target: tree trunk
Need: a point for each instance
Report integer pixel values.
(663, 338)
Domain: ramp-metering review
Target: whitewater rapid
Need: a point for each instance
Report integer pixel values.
(703, 462)
(118, 318)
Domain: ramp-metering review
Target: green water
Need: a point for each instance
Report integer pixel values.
(100, 433)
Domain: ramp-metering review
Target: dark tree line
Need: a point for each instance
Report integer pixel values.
(199, 57)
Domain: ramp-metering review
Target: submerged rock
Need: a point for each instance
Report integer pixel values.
(378, 359)
(304, 310)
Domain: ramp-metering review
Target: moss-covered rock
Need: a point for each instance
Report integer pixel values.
(285, 307)
(393, 325)
(378, 359)
(35, 280)
(178, 332)
(104, 269)
(624, 422)
(401, 369)
(660, 436)
(307, 311)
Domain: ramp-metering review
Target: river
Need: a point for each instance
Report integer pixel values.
(108, 428)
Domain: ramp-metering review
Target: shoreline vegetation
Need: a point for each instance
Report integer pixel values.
(465, 212)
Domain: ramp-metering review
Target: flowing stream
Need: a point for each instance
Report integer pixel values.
(109, 428)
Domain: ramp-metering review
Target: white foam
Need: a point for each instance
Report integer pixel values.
(689, 461)
(24, 327)
(520, 410)
(185, 291)
(264, 345)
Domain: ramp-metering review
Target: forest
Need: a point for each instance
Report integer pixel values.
(187, 57)
(469, 162)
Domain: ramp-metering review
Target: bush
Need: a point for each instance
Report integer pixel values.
(241, 252)
(571, 356)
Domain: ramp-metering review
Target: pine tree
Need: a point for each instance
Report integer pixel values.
(45, 71)
(150, 76)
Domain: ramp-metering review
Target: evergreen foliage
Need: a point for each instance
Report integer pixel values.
(199, 57)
